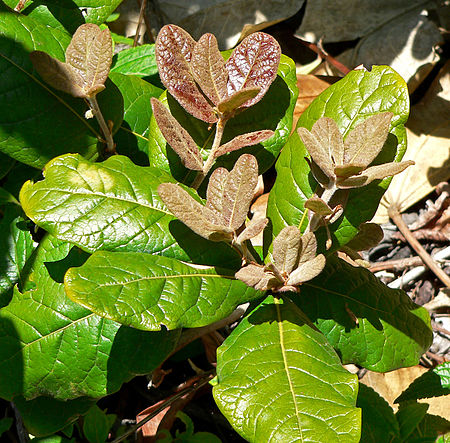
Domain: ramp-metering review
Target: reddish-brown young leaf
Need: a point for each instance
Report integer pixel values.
(200, 219)
(286, 249)
(208, 68)
(255, 227)
(254, 63)
(57, 74)
(308, 247)
(327, 133)
(239, 190)
(365, 142)
(173, 51)
(215, 190)
(90, 55)
(257, 277)
(240, 141)
(177, 137)
(237, 99)
(317, 205)
(369, 235)
(307, 270)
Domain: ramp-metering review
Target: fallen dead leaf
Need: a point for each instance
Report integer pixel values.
(391, 384)
(428, 133)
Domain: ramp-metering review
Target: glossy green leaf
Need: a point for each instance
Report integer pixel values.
(280, 380)
(434, 383)
(50, 346)
(5, 424)
(273, 112)
(409, 416)
(379, 423)
(348, 102)
(428, 429)
(149, 291)
(114, 205)
(24, 133)
(132, 137)
(45, 416)
(68, 14)
(96, 425)
(17, 246)
(390, 331)
(139, 61)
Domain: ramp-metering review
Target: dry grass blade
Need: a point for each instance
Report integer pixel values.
(173, 51)
(216, 189)
(237, 99)
(286, 249)
(327, 133)
(177, 137)
(318, 152)
(208, 68)
(307, 270)
(365, 142)
(249, 139)
(59, 75)
(239, 190)
(194, 215)
(254, 63)
(90, 55)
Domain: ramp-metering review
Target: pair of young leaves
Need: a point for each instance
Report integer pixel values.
(185, 65)
(209, 88)
(87, 65)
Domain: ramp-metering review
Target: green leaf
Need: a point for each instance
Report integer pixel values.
(273, 112)
(6, 197)
(390, 331)
(348, 102)
(6, 164)
(280, 380)
(24, 130)
(5, 424)
(17, 246)
(45, 416)
(433, 383)
(409, 416)
(428, 429)
(132, 137)
(97, 424)
(68, 14)
(139, 61)
(114, 205)
(379, 423)
(50, 346)
(149, 291)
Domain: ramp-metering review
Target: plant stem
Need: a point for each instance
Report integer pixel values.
(396, 217)
(110, 147)
(220, 127)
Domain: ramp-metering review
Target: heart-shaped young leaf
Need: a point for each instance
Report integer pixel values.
(253, 63)
(380, 90)
(177, 137)
(208, 68)
(280, 380)
(368, 323)
(148, 291)
(88, 59)
(249, 139)
(239, 190)
(193, 214)
(43, 325)
(173, 50)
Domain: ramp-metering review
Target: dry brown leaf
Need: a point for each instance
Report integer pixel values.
(208, 68)
(239, 190)
(177, 137)
(428, 131)
(391, 384)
